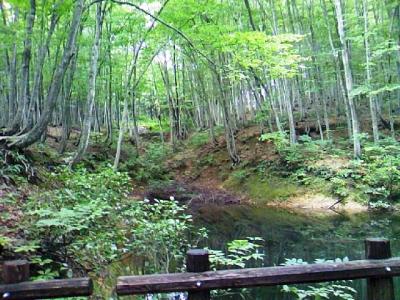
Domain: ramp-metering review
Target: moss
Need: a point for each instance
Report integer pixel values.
(270, 188)
(260, 188)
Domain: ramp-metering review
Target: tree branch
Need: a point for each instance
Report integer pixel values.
(176, 30)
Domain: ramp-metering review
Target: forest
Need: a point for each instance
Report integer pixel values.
(266, 131)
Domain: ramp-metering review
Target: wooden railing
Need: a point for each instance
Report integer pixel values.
(379, 269)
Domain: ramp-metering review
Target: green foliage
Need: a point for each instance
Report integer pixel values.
(162, 233)
(239, 254)
(14, 166)
(322, 291)
(380, 205)
(255, 50)
(294, 157)
(90, 218)
(340, 187)
(279, 139)
(239, 176)
(149, 166)
(83, 217)
(46, 268)
(207, 160)
(153, 124)
(336, 290)
(376, 177)
(381, 172)
(199, 139)
(5, 242)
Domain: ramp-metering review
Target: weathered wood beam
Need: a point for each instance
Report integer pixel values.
(130, 285)
(47, 289)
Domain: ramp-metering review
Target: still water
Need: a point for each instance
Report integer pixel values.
(290, 234)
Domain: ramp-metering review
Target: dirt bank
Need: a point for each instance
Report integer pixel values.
(208, 169)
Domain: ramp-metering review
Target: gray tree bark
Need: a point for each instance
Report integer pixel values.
(26, 59)
(41, 126)
(348, 77)
(372, 100)
(88, 119)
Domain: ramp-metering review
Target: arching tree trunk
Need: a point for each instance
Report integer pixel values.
(41, 126)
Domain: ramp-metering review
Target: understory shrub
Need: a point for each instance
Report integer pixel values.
(14, 166)
(199, 139)
(376, 176)
(88, 219)
(149, 166)
(294, 157)
(381, 176)
(82, 218)
(162, 232)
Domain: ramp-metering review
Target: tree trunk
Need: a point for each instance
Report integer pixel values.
(348, 77)
(122, 130)
(26, 59)
(41, 126)
(372, 100)
(38, 71)
(87, 122)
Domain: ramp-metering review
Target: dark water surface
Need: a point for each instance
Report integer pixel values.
(300, 235)
(288, 234)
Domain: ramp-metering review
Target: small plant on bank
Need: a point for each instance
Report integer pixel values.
(239, 176)
(149, 166)
(279, 139)
(207, 160)
(14, 167)
(199, 139)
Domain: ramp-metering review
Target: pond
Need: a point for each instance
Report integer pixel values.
(289, 234)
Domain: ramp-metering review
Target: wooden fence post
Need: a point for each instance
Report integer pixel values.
(15, 271)
(197, 260)
(379, 288)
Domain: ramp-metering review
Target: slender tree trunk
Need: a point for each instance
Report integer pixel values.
(348, 77)
(26, 59)
(88, 119)
(122, 130)
(66, 121)
(372, 101)
(109, 86)
(253, 26)
(38, 70)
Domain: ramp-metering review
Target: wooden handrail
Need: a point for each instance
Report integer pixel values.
(130, 285)
(47, 289)
(378, 268)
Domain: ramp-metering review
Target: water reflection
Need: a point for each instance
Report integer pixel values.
(286, 234)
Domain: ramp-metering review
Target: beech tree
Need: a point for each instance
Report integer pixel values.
(296, 67)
